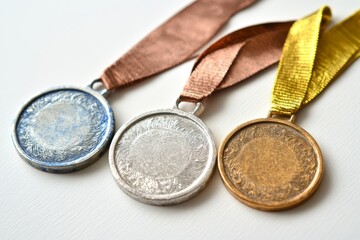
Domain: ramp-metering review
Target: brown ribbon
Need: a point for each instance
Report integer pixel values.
(234, 58)
(173, 42)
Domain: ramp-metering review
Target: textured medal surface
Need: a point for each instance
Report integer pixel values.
(270, 164)
(64, 129)
(163, 157)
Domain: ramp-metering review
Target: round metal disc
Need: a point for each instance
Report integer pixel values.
(64, 129)
(270, 164)
(163, 157)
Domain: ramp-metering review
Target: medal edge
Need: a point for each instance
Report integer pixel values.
(278, 205)
(168, 199)
(77, 164)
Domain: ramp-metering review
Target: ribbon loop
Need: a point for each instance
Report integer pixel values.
(173, 42)
(338, 48)
(309, 64)
(297, 62)
(234, 58)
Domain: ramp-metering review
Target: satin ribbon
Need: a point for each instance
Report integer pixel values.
(312, 59)
(174, 42)
(234, 58)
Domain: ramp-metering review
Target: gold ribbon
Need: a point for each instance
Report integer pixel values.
(310, 61)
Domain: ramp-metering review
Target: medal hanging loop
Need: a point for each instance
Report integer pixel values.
(198, 110)
(291, 119)
(103, 91)
(309, 64)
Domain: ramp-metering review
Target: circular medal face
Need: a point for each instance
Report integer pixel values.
(270, 164)
(64, 129)
(163, 157)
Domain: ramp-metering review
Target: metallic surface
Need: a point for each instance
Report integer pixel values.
(64, 129)
(198, 110)
(270, 164)
(163, 157)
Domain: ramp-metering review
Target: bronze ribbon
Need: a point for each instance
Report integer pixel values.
(234, 58)
(173, 42)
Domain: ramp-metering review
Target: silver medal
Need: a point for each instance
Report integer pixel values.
(163, 157)
(64, 129)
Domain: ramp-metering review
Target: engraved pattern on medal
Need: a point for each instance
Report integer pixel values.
(162, 154)
(269, 162)
(61, 126)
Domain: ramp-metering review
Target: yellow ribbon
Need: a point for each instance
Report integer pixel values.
(309, 64)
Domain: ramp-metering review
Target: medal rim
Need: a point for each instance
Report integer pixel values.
(173, 198)
(279, 205)
(81, 162)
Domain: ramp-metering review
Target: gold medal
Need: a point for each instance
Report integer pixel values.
(271, 163)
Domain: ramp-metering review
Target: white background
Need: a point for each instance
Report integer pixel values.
(47, 43)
